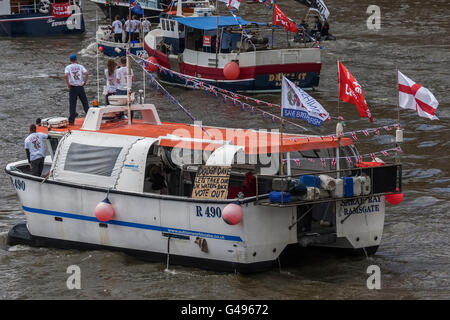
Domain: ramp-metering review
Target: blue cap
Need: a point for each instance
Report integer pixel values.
(73, 57)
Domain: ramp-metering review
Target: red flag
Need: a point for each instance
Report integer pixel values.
(280, 19)
(350, 91)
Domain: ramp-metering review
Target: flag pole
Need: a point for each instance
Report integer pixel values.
(339, 128)
(399, 131)
(281, 133)
(338, 74)
(127, 52)
(398, 100)
(98, 78)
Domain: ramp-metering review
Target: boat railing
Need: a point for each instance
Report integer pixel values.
(269, 37)
(154, 4)
(385, 179)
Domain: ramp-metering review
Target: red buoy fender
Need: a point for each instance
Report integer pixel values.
(232, 214)
(152, 64)
(395, 198)
(231, 71)
(104, 211)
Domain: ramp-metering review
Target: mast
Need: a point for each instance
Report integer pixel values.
(128, 46)
(339, 129)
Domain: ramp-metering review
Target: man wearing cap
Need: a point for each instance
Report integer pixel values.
(76, 77)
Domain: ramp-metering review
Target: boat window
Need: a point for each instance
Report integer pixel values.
(88, 159)
(180, 28)
(172, 25)
(182, 156)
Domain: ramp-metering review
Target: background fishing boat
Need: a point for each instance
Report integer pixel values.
(231, 52)
(111, 8)
(40, 18)
(106, 44)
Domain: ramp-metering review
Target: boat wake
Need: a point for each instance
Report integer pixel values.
(90, 50)
(19, 247)
(166, 270)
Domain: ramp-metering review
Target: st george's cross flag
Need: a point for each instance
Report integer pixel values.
(413, 96)
(232, 3)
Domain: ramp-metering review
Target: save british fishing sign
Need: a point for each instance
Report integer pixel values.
(297, 104)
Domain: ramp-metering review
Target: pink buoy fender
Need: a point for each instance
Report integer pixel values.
(394, 198)
(231, 71)
(104, 211)
(152, 64)
(100, 48)
(232, 214)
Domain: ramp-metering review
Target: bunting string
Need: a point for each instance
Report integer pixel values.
(226, 95)
(248, 103)
(164, 91)
(360, 158)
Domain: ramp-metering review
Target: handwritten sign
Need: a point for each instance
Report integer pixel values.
(211, 182)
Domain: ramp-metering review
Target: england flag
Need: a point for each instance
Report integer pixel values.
(413, 96)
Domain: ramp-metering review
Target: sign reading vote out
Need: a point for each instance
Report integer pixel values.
(211, 182)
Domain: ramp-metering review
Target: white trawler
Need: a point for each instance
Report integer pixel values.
(204, 196)
(245, 227)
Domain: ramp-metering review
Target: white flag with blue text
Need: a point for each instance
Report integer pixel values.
(297, 104)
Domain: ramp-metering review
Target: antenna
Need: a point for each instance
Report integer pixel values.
(98, 80)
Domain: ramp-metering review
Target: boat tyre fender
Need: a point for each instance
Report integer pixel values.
(44, 6)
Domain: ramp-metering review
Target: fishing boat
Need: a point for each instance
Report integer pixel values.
(111, 8)
(230, 52)
(107, 45)
(40, 18)
(211, 197)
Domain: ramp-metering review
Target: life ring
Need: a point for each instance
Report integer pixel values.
(44, 6)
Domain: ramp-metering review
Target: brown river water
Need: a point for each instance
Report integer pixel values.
(414, 255)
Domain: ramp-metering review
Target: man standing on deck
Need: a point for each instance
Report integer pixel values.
(128, 30)
(117, 29)
(136, 28)
(35, 148)
(76, 77)
(146, 26)
(122, 77)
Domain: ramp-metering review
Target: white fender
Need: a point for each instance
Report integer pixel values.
(44, 6)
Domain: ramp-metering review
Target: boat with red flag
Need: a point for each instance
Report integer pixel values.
(229, 51)
(212, 197)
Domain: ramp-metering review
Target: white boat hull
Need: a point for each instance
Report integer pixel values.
(145, 223)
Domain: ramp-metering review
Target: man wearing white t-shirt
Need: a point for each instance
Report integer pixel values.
(117, 29)
(146, 26)
(122, 77)
(128, 26)
(76, 77)
(136, 28)
(35, 148)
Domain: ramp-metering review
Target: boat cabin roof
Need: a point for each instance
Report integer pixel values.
(182, 135)
(213, 22)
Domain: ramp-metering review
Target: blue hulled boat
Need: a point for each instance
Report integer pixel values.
(40, 17)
